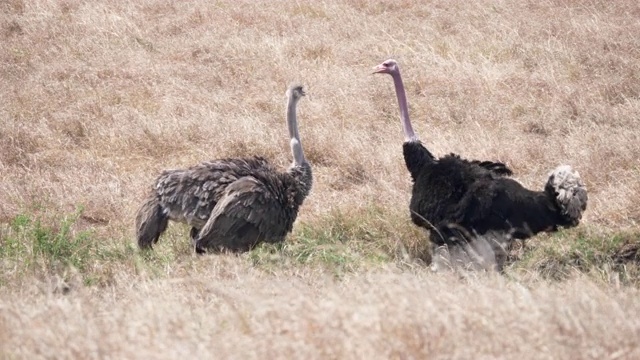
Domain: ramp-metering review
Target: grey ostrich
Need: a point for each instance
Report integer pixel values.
(232, 203)
(453, 198)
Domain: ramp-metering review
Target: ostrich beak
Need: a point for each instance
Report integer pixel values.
(379, 69)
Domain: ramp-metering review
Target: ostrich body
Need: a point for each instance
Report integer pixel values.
(232, 203)
(453, 197)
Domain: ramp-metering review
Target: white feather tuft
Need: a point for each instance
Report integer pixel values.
(571, 192)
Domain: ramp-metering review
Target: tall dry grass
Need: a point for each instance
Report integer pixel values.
(243, 314)
(97, 97)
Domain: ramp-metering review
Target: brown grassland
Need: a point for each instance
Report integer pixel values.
(97, 97)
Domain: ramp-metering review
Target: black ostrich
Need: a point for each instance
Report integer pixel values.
(457, 199)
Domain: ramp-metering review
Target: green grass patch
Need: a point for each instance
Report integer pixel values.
(345, 241)
(29, 242)
(340, 242)
(606, 257)
(34, 245)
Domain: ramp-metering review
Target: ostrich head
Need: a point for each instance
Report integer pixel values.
(568, 191)
(387, 67)
(295, 91)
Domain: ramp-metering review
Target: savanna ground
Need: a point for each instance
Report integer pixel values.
(97, 97)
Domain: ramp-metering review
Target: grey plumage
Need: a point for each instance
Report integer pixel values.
(232, 203)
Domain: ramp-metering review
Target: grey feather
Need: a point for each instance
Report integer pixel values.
(231, 203)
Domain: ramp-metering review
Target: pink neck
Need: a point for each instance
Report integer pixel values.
(409, 135)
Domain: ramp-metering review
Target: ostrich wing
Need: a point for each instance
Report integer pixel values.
(247, 213)
(505, 205)
(191, 194)
(497, 168)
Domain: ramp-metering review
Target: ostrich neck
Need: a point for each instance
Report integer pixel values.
(409, 135)
(292, 123)
(303, 176)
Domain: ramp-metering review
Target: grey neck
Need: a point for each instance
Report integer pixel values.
(292, 123)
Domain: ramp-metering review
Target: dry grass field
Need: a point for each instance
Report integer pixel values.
(97, 97)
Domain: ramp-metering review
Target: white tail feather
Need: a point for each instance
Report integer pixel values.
(571, 191)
